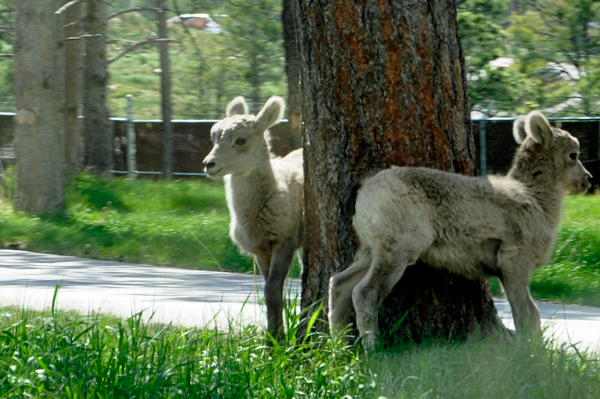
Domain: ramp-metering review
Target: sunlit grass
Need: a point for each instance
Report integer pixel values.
(184, 223)
(67, 355)
(488, 369)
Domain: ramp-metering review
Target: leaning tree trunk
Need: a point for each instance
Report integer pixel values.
(40, 101)
(384, 84)
(292, 70)
(97, 154)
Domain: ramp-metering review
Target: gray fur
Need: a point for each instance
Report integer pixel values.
(502, 226)
(264, 195)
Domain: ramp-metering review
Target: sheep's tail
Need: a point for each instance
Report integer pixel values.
(350, 201)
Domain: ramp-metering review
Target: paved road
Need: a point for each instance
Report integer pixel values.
(197, 298)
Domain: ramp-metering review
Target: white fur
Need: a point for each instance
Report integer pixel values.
(264, 195)
(502, 226)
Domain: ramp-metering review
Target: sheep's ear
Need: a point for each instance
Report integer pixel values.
(237, 106)
(519, 129)
(271, 113)
(538, 128)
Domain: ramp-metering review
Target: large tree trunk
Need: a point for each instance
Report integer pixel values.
(73, 56)
(165, 89)
(40, 101)
(292, 70)
(97, 155)
(384, 84)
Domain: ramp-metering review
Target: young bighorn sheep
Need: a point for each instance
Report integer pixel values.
(503, 226)
(264, 195)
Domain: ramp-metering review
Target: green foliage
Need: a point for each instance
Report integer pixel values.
(8, 185)
(509, 89)
(7, 91)
(256, 38)
(7, 76)
(208, 69)
(496, 10)
(484, 39)
(554, 44)
(66, 355)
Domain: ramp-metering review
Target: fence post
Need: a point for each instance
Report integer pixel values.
(483, 145)
(131, 161)
(483, 139)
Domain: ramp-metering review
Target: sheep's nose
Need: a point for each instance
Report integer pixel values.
(208, 164)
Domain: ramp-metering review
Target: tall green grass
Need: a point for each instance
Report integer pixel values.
(65, 355)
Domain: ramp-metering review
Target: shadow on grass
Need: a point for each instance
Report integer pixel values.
(98, 193)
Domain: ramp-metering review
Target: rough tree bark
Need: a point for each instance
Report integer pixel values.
(165, 89)
(384, 83)
(97, 154)
(292, 70)
(73, 57)
(39, 59)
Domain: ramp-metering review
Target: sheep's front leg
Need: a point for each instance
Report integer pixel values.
(281, 261)
(340, 290)
(526, 314)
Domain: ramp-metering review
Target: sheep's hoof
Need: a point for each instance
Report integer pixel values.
(369, 341)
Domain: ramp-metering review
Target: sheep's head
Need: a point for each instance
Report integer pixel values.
(239, 144)
(552, 151)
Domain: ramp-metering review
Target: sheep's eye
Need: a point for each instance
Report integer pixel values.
(240, 141)
(573, 156)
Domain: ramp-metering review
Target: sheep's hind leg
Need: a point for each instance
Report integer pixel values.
(340, 290)
(281, 261)
(368, 295)
(264, 265)
(387, 267)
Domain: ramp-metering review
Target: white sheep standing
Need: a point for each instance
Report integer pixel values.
(503, 226)
(264, 195)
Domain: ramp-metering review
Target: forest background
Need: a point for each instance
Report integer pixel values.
(521, 56)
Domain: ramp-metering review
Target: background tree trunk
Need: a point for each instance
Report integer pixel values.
(514, 7)
(73, 57)
(384, 83)
(96, 126)
(165, 89)
(40, 101)
(292, 70)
